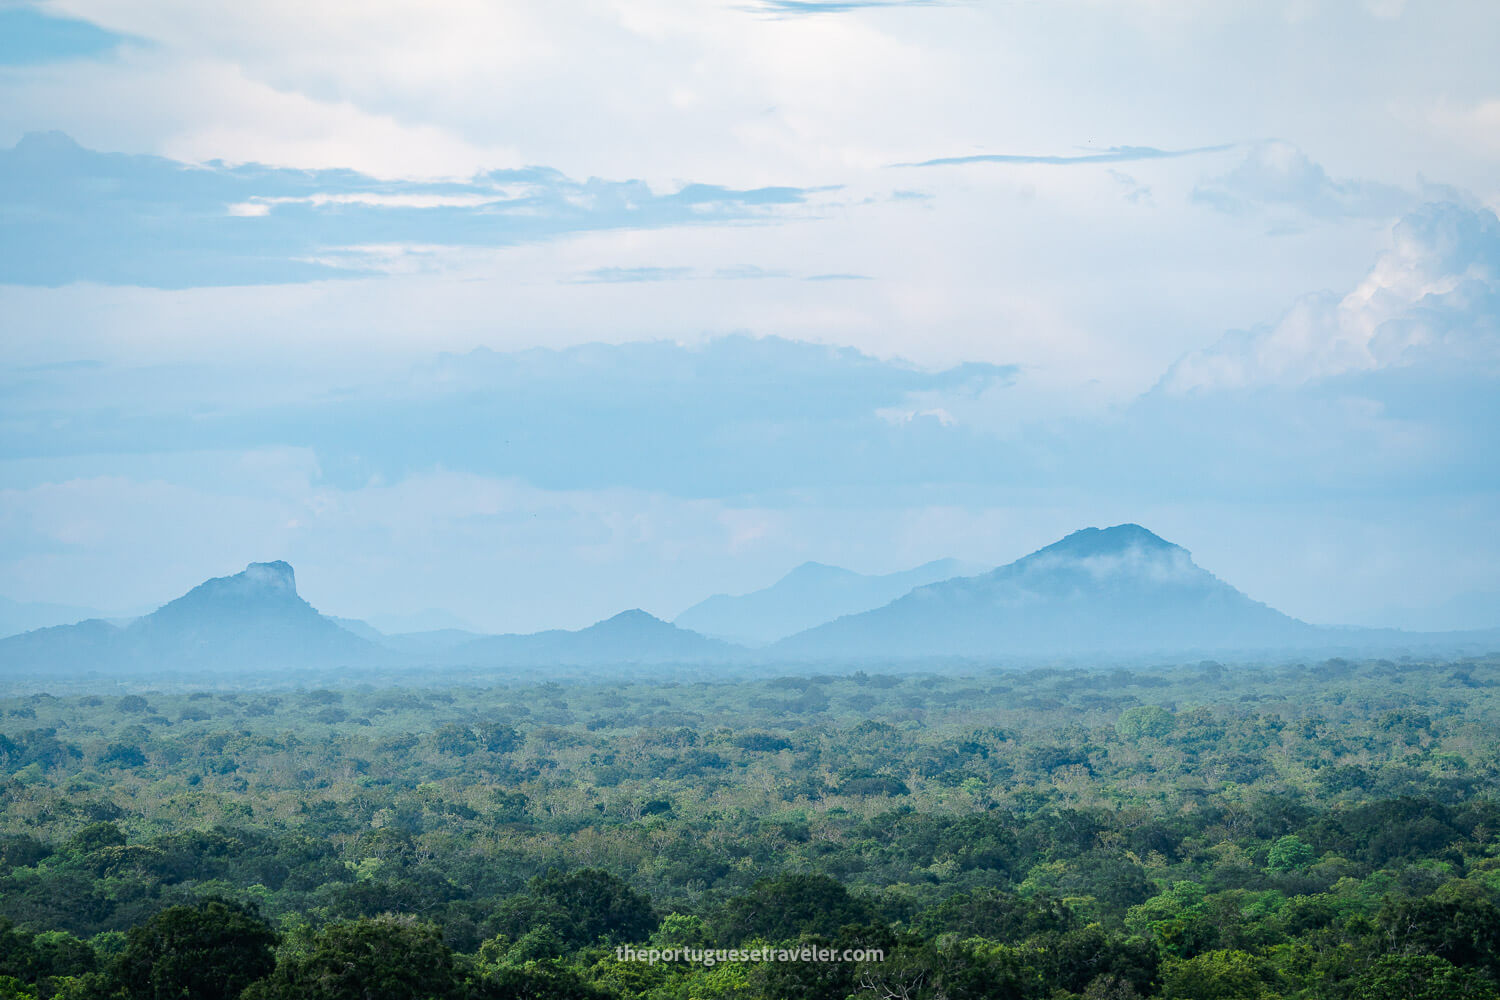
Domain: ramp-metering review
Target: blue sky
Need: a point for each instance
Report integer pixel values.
(533, 312)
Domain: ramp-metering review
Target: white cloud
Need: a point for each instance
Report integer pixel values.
(663, 90)
(1433, 297)
(192, 108)
(1278, 175)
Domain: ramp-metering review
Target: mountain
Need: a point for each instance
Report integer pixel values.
(628, 637)
(807, 596)
(359, 627)
(417, 643)
(24, 616)
(1111, 590)
(252, 620)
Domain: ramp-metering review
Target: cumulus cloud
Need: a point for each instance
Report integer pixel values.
(1279, 175)
(1432, 299)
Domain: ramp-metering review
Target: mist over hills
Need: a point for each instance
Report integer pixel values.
(256, 621)
(629, 637)
(1097, 595)
(809, 595)
(24, 616)
(1119, 589)
(251, 620)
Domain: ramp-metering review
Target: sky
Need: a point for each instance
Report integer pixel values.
(517, 315)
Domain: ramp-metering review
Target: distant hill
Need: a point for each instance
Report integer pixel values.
(24, 616)
(255, 621)
(809, 595)
(251, 620)
(428, 641)
(1120, 589)
(1116, 592)
(629, 637)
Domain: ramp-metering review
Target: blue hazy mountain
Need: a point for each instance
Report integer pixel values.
(424, 641)
(809, 595)
(24, 616)
(251, 620)
(629, 637)
(1120, 589)
(1117, 591)
(256, 621)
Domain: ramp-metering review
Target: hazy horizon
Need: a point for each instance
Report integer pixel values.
(750, 499)
(457, 324)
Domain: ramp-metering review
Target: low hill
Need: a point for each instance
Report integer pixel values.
(809, 595)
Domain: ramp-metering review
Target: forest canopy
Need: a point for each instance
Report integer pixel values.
(1319, 830)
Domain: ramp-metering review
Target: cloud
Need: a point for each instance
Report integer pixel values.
(72, 214)
(28, 37)
(611, 275)
(1279, 175)
(784, 8)
(730, 416)
(1432, 299)
(619, 275)
(653, 473)
(1114, 154)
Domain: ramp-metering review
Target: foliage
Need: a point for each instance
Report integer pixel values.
(1324, 831)
(214, 949)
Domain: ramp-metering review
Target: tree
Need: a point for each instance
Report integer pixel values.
(454, 738)
(1218, 975)
(18, 953)
(1465, 932)
(1074, 959)
(96, 836)
(1288, 853)
(785, 908)
(204, 952)
(997, 915)
(122, 755)
(582, 907)
(12, 988)
(1420, 977)
(975, 969)
(534, 981)
(384, 958)
(1144, 721)
(497, 737)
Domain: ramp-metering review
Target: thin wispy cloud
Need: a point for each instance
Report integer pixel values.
(620, 275)
(795, 8)
(623, 275)
(73, 214)
(1114, 154)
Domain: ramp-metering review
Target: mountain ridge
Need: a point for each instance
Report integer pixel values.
(1113, 593)
(1122, 588)
(632, 636)
(808, 595)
